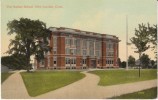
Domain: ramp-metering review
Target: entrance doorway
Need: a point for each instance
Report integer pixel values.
(93, 63)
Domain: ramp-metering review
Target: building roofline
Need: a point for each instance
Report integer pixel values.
(80, 32)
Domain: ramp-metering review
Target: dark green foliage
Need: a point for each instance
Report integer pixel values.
(14, 61)
(31, 38)
(131, 61)
(152, 63)
(119, 62)
(141, 39)
(153, 34)
(145, 61)
(153, 37)
(123, 64)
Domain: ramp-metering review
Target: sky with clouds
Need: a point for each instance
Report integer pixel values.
(102, 16)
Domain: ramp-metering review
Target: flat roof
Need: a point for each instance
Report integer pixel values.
(80, 32)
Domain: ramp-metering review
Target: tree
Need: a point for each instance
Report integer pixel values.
(153, 35)
(31, 38)
(152, 30)
(14, 61)
(152, 63)
(123, 64)
(131, 61)
(144, 59)
(119, 62)
(141, 40)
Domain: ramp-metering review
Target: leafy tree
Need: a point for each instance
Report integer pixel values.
(145, 60)
(152, 63)
(119, 62)
(141, 40)
(30, 38)
(153, 37)
(14, 61)
(131, 61)
(123, 64)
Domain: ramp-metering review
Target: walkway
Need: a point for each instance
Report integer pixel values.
(85, 88)
(14, 88)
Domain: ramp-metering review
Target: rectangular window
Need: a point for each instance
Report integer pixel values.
(84, 52)
(54, 50)
(42, 62)
(78, 51)
(98, 46)
(54, 41)
(97, 53)
(74, 60)
(78, 42)
(67, 41)
(84, 44)
(67, 60)
(67, 51)
(83, 61)
(74, 40)
(55, 60)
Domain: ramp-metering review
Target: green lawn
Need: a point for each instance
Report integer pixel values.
(4, 76)
(113, 77)
(44, 81)
(145, 94)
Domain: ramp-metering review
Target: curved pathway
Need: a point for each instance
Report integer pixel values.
(85, 88)
(14, 88)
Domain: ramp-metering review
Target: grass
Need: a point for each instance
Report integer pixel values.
(4, 76)
(113, 77)
(145, 94)
(44, 81)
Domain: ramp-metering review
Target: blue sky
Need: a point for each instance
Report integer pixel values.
(103, 16)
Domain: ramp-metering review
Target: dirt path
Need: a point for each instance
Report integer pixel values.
(14, 88)
(86, 88)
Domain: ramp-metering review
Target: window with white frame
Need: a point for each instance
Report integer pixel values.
(67, 50)
(109, 61)
(54, 41)
(83, 61)
(97, 53)
(84, 52)
(70, 60)
(42, 62)
(98, 46)
(91, 48)
(67, 41)
(84, 44)
(67, 60)
(55, 60)
(54, 50)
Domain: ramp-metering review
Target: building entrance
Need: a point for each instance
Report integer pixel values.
(93, 63)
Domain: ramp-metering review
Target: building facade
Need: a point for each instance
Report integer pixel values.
(76, 49)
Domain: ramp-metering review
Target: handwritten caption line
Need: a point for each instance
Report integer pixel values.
(34, 6)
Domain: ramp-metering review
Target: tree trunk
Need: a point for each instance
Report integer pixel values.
(139, 63)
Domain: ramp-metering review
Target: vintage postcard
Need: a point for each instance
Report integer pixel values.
(78, 49)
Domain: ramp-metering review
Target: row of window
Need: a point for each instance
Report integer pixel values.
(73, 61)
(69, 41)
(70, 60)
(73, 41)
(111, 54)
(109, 61)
